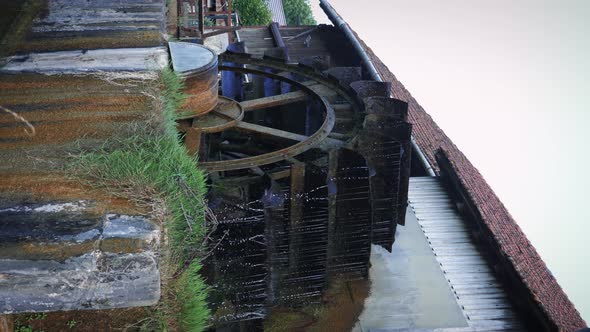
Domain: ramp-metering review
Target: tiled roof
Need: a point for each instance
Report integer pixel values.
(511, 240)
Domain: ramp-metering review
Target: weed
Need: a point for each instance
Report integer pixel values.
(19, 327)
(37, 316)
(71, 323)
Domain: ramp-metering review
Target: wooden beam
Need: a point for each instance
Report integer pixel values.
(220, 31)
(193, 141)
(273, 101)
(297, 201)
(270, 131)
(280, 174)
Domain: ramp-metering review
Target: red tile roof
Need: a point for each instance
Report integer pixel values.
(510, 238)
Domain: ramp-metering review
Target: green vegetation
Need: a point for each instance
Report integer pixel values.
(153, 164)
(298, 12)
(37, 316)
(20, 327)
(192, 295)
(154, 160)
(71, 323)
(252, 12)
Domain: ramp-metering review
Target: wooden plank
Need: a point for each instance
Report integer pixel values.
(468, 283)
(418, 187)
(449, 260)
(488, 305)
(485, 301)
(450, 252)
(495, 325)
(270, 131)
(297, 191)
(437, 215)
(478, 285)
(446, 232)
(490, 314)
(418, 202)
(466, 276)
(457, 246)
(479, 291)
(456, 279)
(466, 265)
(280, 174)
(428, 196)
(480, 297)
(433, 222)
(435, 242)
(273, 101)
(466, 268)
(445, 236)
(436, 227)
(434, 205)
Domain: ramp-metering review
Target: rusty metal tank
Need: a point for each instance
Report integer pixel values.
(198, 66)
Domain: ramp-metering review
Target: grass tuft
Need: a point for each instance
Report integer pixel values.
(153, 160)
(192, 293)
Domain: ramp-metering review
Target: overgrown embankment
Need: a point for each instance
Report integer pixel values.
(152, 167)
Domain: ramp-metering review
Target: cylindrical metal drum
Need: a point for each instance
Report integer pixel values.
(198, 65)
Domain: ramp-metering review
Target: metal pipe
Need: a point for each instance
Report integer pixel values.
(422, 158)
(373, 73)
(339, 22)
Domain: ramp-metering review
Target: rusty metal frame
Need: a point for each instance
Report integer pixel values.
(231, 122)
(288, 152)
(273, 63)
(202, 13)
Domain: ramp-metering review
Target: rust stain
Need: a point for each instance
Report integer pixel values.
(63, 108)
(120, 39)
(62, 251)
(56, 186)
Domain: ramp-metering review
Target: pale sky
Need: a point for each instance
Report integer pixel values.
(509, 82)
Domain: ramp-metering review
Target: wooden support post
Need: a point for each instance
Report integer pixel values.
(229, 22)
(297, 204)
(332, 208)
(193, 141)
(201, 17)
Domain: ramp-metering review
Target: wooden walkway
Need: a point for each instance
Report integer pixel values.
(482, 299)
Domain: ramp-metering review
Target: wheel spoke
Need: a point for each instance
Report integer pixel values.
(258, 129)
(273, 101)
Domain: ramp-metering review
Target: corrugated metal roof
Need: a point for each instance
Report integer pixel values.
(278, 13)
